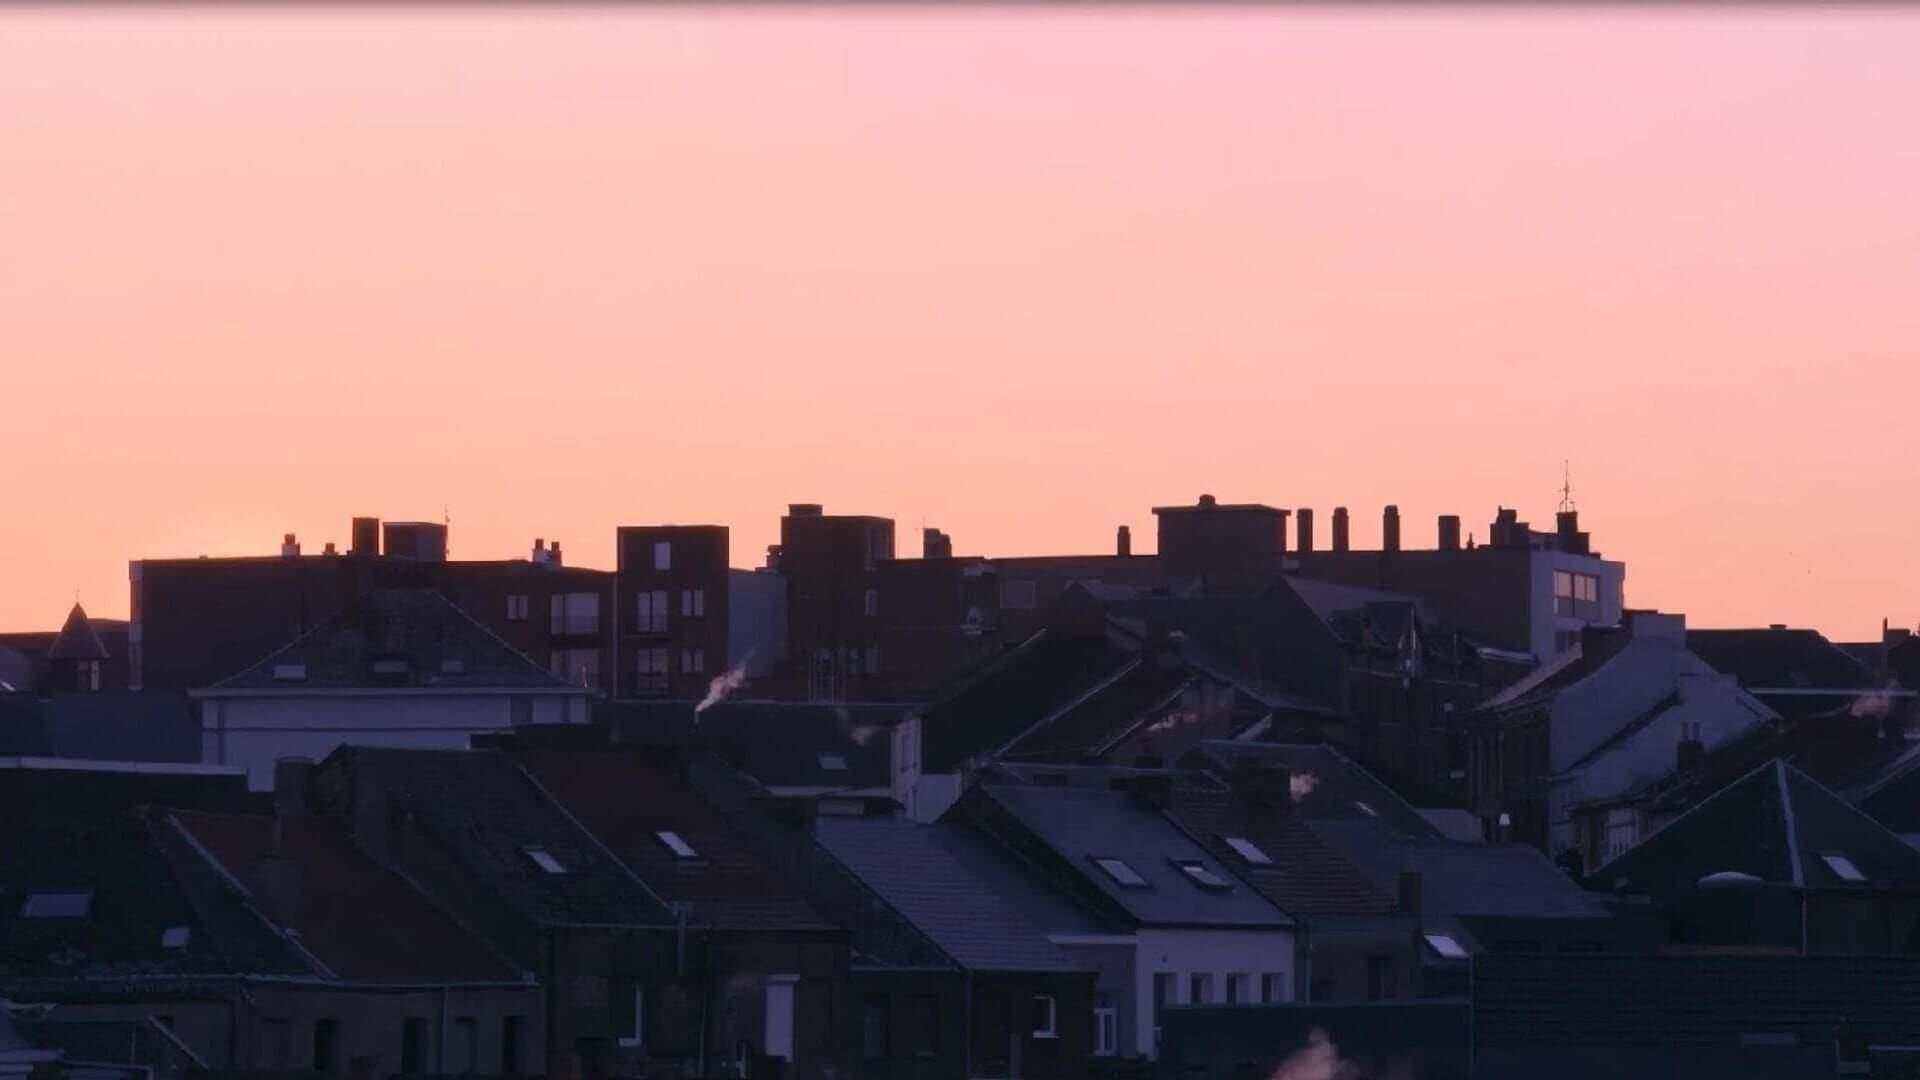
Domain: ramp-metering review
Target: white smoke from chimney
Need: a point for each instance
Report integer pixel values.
(1318, 1060)
(1301, 784)
(1871, 705)
(724, 684)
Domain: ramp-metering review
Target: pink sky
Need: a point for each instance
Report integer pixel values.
(1017, 273)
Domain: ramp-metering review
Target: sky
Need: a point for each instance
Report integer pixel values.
(1020, 273)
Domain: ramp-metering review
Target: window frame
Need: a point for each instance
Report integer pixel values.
(1047, 1009)
(1120, 871)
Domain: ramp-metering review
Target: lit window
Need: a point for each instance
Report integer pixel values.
(64, 904)
(662, 555)
(1121, 873)
(176, 937)
(1200, 874)
(1842, 867)
(676, 844)
(544, 860)
(1247, 850)
(833, 762)
(1446, 946)
(1046, 1017)
(1365, 809)
(289, 672)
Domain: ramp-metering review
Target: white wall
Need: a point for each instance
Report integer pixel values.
(1218, 953)
(1544, 624)
(253, 733)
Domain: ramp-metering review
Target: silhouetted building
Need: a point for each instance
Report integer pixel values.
(674, 594)
(832, 605)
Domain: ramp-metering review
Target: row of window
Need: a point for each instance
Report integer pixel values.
(672, 841)
(579, 612)
(1238, 989)
(1576, 594)
(462, 1049)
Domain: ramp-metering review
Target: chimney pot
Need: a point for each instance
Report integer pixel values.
(1304, 528)
(289, 546)
(1206, 500)
(1339, 528)
(1123, 543)
(1390, 529)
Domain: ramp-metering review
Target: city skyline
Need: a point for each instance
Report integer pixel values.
(556, 272)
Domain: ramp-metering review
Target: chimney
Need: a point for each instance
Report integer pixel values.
(1303, 528)
(553, 554)
(935, 544)
(289, 547)
(330, 549)
(1390, 529)
(366, 536)
(1339, 528)
(1449, 532)
(279, 873)
(539, 556)
(1123, 542)
(799, 510)
(1207, 502)
(1412, 889)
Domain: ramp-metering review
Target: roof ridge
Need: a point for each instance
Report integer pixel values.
(1105, 683)
(287, 935)
(1793, 833)
(1691, 811)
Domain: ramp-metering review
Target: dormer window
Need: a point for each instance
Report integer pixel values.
(678, 845)
(1202, 875)
(1248, 850)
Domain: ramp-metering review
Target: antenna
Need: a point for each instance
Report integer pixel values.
(1566, 488)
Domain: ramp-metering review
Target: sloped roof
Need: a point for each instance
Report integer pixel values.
(426, 640)
(363, 921)
(1779, 659)
(1015, 692)
(1775, 823)
(1597, 646)
(143, 880)
(1327, 784)
(1111, 709)
(77, 639)
(948, 881)
(485, 813)
(627, 802)
(1463, 879)
(1081, 825)
(782, 744)
(1307, 877)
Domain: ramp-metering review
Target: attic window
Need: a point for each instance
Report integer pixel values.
(63, 904)
(678, 845)
(176, 937)
(1365, 809)
(1842, 867)
(1248, 850)
(544, 859)
(289, 672)
(1446, 946)
(1202, 875)
(1120, 872)
(833, 762)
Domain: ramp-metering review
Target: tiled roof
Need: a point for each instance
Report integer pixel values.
(1463, 879)
(407, 638)
(1551, 1000)
(140, 881)
(951, 884)
(362, 920)
(77, 639)
(1779, 659)
(1081, 825)
(627, 802)
(1306, 876)
(1015, 692)
(1142, 693)
(1327, 784)
(486, 814)
(779, 743)
(1775, 823)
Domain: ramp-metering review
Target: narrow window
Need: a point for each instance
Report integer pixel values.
(413, 1045)
(1046, 1019)
(662, 555)
(326, 1042)
(510, 1045)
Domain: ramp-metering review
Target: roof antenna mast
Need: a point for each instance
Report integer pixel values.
(1566, 487)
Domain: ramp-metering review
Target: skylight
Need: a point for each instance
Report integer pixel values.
(544, 860)
(1202, 875)
(1121, 873)
(678, 845)
(1365, 809)
(1248, 850)
(1446, 946)
(62, 904)
(289, 672)
(176, 937)
(1842, 867)
(833, 762)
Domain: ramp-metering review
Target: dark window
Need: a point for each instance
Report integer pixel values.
(510, 1045)
(465, 1051)
(874, 1036)
(925, 1011)
(1381, 978)
(326, 1040)
(413, 1045)
(591, 1055)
